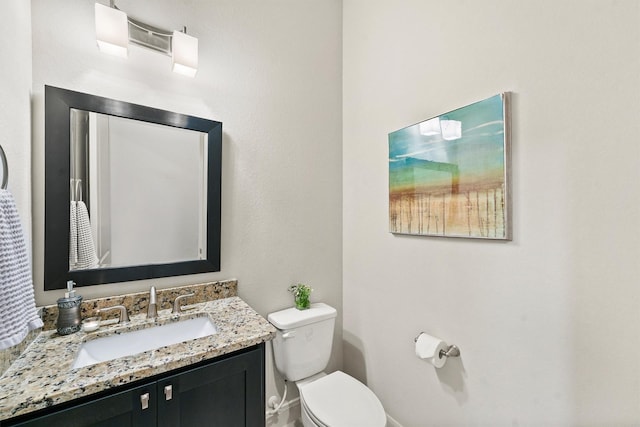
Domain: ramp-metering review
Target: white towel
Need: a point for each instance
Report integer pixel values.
(85, 253)
(18, 315)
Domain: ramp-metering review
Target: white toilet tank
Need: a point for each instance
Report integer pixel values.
(303, 342)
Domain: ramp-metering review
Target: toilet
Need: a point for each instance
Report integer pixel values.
(301, 350)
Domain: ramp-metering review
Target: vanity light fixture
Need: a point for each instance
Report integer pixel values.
(184, 53)
(112, 32)
(115, 30)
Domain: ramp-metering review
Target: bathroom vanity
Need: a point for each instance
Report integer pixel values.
(217, 379)
(227, 391)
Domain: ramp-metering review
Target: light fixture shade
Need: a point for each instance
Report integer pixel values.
(430, 127)
(184, 54)
(451, 129)
(112, 30)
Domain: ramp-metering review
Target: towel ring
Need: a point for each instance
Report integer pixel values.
(5, 169)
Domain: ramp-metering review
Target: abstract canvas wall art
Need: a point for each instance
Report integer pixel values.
(449, 175)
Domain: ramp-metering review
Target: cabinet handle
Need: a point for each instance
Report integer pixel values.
(144, 401)
(168, 392)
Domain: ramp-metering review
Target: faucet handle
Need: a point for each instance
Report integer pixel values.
(176, 304)
(152, 309)
(124, 315)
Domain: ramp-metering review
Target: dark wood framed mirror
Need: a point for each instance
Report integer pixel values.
(145, 178)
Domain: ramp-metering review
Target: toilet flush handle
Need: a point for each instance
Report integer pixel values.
(289, 334)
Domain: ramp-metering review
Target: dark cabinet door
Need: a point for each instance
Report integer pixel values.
(122, 409)
(228, 393)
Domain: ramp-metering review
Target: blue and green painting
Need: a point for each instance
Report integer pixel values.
(448, 174)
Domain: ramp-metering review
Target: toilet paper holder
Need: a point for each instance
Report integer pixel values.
(451, 351)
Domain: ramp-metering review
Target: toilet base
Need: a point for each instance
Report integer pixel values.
(357, 406)
(304, 412)
(304, 416)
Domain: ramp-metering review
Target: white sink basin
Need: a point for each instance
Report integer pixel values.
(134, 342)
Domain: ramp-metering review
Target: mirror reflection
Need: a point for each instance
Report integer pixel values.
(137, 191)
(131, 192)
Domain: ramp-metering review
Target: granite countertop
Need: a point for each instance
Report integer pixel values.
(42, 376)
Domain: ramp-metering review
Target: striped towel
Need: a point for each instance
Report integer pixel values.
(18, 315)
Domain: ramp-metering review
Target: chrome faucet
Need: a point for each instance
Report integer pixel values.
(152, 311)
(124, 316)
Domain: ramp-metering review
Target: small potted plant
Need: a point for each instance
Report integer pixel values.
(301, 293)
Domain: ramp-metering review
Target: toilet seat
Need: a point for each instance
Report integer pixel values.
(339, 400)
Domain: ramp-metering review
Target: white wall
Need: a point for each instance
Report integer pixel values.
(15, 104)
(271, 72)
(548, 324)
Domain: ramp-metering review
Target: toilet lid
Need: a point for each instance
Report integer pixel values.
(338, 400)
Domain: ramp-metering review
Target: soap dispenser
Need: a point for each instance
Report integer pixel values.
(69, 317)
